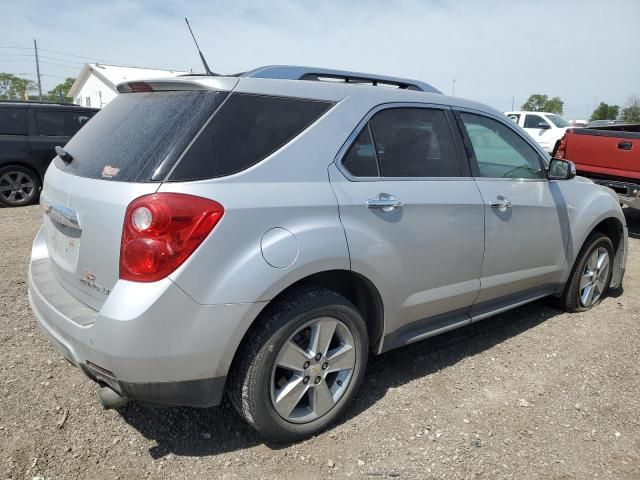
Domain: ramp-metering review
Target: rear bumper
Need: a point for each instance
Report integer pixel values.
(628, 193)
(149, 342)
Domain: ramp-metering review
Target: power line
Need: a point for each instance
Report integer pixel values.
(31, 55)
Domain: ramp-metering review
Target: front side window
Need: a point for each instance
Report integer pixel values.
(499, 151)
(75, 121)
(58, 123)
(13, 121)
(534, 121)
(409, 142)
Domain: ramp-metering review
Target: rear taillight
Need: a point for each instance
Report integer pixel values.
(161, 231)
(562, 147)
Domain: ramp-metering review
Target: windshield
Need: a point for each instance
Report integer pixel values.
(558, 121)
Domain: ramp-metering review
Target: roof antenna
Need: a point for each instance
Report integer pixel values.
(204, 62)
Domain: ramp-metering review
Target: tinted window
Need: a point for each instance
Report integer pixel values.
(514, 116)
(50, 122)
(414, 142)
(499, 151)
(361, 160)
(247, 129)
(139, 135)
(60, 123)
(13, 121)
(534, 121)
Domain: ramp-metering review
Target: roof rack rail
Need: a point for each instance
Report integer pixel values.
(292, 72)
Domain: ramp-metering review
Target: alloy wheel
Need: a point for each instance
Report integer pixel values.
(313, 370)
(17, 188)
(594, 277)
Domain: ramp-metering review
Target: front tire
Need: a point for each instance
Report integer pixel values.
(302, 365)
(591, 275)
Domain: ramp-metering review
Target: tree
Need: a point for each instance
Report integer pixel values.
(605, 111)
(15, 88)
(542, 103)
(631, 113)
(61, 92)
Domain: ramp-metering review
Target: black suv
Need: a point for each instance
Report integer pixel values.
(29, 131)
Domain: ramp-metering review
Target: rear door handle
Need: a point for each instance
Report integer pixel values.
(384, 202)
(625, 145)
(502, 204)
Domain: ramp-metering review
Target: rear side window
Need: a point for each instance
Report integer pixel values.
(13, 121)
(415, 142)
(139, 136)
(246, 129)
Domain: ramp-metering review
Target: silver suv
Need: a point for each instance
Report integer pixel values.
(260, 235)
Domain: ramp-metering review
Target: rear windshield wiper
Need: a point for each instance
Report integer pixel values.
(64, 155)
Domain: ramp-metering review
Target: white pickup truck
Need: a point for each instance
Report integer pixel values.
(545, 128)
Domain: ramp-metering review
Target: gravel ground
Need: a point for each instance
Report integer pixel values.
(533, 393)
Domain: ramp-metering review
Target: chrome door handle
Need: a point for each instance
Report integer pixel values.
(502, 205)
(386, 203)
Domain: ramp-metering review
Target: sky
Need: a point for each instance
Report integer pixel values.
(498, 51)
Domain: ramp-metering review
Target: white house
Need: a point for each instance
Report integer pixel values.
(95, 86)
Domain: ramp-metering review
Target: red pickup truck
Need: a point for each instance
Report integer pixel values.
(607, 155)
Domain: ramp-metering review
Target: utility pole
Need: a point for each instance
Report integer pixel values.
(513, 101)
(453, 88)
(35, 47)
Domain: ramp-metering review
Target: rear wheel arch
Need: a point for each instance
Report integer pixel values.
(354, 287)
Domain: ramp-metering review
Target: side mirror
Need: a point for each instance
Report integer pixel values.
(560, 169)
(544, 126)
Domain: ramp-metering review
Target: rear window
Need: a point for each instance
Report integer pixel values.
(13, 121)
(247, 129)
(138, 137)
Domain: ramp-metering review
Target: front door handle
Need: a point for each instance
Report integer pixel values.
(502, 204)
(625, 145)
(384, 202)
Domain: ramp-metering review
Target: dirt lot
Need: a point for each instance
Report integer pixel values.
(533, 393)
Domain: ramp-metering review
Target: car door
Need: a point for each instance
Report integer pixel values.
(524, 241)
(53, 127)
(413, 218)
(48, 131)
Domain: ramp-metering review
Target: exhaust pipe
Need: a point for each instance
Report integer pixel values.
(109, 398)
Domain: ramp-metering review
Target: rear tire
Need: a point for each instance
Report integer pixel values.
(281, 384)
(19, 186)
(590, 276)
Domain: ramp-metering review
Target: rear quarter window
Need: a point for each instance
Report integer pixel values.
(246, 129)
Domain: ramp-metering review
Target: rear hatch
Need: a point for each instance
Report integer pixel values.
(126, 150)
